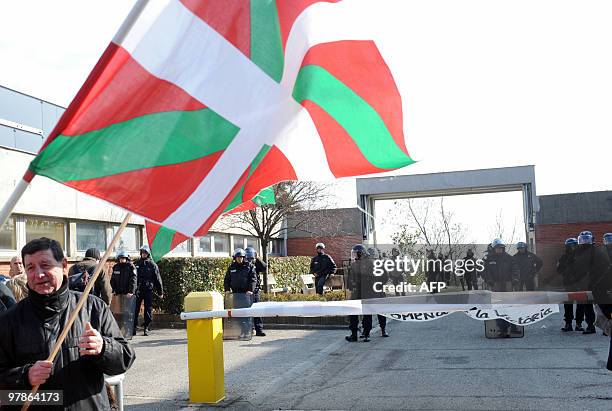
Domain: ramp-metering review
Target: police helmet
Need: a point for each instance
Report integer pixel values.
(146, 249)
(123, 254)
(250, 252)
(607, 238)
(521, 244)
(360, 249)
(239, 252)
(320, 245)
(571, 241)
(373, 252)
(497, 243)
(585, 237)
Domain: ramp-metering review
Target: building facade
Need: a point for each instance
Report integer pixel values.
(76, 220)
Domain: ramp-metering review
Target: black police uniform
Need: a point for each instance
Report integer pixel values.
(260, 268)
(471, 275)
(123, 279)
(527, 264)
(591, 270)
(322, 266)
(240, 278)
(362, 281)
(148, 279)
(501, 275)
(566, 268)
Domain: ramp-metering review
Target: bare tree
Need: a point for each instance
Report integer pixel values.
(269, 221)
(500, 229)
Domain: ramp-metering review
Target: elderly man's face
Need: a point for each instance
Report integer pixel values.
(17, 266)
(45, 274)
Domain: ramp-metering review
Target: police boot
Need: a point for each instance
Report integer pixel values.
(146, 331)
(260, 333)
(578, 327)
(352, 337)
(590, 329)
(568, 327)
(366, 337)
(384, 332)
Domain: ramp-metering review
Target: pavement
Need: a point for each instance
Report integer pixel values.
(446, 364)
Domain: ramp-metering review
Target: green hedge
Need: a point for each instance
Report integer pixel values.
(184, 275)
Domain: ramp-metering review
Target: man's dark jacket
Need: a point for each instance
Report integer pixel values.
(499, 268)
(527, 264)
(260, 268)
(29, 331)
(148, 276)
(592, 270)
(322, 265)
(123, 278)
(102, 287)
(362, 279)
(240, 278)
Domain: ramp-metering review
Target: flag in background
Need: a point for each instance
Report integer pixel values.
(162, 240)
(196, 106)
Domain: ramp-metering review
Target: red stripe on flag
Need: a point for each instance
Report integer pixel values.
(152, 229)
(343, 155)
(274, 168)
(177, 239)
(123, 91)
(153, 193)
(359, 65)
(289, 11)
(219, 210)
(230, 18)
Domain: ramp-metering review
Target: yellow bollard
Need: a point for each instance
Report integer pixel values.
(205, 349)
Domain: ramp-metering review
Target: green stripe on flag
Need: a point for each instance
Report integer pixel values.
(162, 243)
(152, 140)
(266, 44)
(353, 113)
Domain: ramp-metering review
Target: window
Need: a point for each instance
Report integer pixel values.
(7, 235)
(239, 241)
(221, 243)
(277, 246)
(204, 244)
(37, 227)
(183, 248)
(90, 235)
(128, 240)
(253, 242)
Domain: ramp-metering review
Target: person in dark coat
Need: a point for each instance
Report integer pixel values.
(93, 347)
(566, 268)
(7, 299)
(591, 268)
(241, 278)
(527, 264)
(260, 268)
(500, 273)
(362, 279)
(322, 266)
(148, 279)
(607, 308)
(471, 275)
(123, 278)
(79, 275)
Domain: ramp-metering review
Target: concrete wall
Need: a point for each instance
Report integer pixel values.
(575, 208)
(338, 247)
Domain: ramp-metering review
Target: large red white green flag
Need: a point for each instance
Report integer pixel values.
(197, 105)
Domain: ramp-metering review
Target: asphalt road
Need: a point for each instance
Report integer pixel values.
(445, 364)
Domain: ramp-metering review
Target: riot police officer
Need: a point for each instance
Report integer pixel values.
(471, 275)
(123, 279)
(565, 267)
(260, 267)
(500, 273)
(592, 266)
(322, 266)
(361, 281)
(527, 264)
(148, 279)
(397, 276)
(241, 278)
(607, 308)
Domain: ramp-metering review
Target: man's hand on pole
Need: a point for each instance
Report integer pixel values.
(40, 372)
(91, 342)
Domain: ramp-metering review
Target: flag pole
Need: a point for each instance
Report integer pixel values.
(18, 192)
(90, 284)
